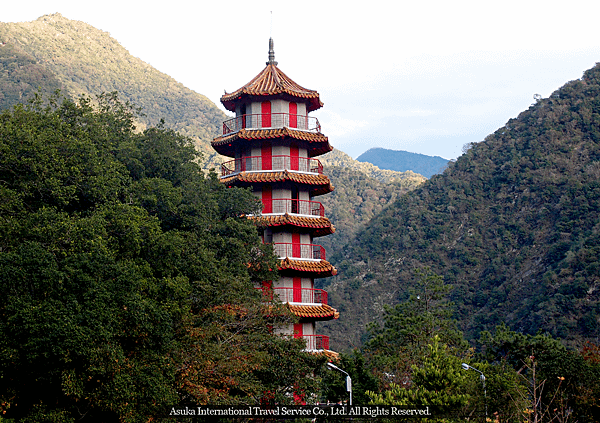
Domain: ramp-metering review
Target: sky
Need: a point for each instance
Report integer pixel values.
(420, 76)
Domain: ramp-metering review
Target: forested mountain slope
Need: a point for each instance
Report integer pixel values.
(513, 225)
(357, 198)
(21, 76)
(86, 60)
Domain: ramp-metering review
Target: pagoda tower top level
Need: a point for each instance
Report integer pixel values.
(272, 82)
(271, 108)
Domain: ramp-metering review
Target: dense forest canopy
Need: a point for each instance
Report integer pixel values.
(127, 275)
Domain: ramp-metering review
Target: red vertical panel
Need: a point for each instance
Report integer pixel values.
(298, 330)
(293, 115)
(266, 156)
(243, 113)
(267, 288)
(266, 114)
(296, 249)
(297, 297)
(295, 198)
(294, 157)
(267, 199)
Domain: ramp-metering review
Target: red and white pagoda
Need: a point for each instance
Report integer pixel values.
(273, 143)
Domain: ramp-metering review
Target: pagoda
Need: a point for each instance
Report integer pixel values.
(273, 142)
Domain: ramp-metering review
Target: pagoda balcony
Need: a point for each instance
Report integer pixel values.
(276, 163)
(271, 121)
(299, 251)
(296, 295)
(287, 205)
(315, 342)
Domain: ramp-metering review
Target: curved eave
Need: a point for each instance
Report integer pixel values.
(272, 82)
(330, 355)
(320, 184)
(314, 312)
(317, 269)
(229, 101)
(319, 226)
(317, 143)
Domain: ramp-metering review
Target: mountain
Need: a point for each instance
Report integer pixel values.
(362, 190)
(54, 52)
(513, 225)
(21, 76)
(403, 161)
(81, 59)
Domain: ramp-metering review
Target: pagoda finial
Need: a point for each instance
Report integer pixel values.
(271, 53)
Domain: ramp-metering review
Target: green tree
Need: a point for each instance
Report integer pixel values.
(127, 275)
(410, 326)
(552, 377)
(363, 379)
(439, 381)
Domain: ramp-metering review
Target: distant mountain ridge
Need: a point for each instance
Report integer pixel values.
(402, 161)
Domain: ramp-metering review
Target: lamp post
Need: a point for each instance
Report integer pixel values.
(348, 379)
(465, 366)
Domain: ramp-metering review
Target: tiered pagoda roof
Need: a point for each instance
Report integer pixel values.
(272, 82)
(319, 269)
(320, 183)
(317, 142)
(322, 311)
(321, 226)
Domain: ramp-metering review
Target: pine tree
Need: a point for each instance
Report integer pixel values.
(439, 382)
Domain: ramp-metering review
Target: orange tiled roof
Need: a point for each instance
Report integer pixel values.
(272, 81)
(331, 355)
(322, 311)
(320, 182)
(322, 267)
(318, 143)
(321, 225)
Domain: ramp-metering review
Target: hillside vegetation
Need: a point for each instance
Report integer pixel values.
(85, 60)
(513, 226)
(362, 190)
(21, 77)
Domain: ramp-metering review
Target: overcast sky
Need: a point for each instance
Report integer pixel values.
(425, 76)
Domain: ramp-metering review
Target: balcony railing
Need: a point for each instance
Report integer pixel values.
(315, 342)
(287, 205)
(277, 163)
(299, 251)
(271, 120)
(296, 295)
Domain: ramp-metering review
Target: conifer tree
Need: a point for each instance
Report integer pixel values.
(438, 382)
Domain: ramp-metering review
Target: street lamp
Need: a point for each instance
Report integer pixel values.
(348, 379)
(465, 366)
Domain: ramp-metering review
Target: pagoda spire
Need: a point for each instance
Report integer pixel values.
(271, 53)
